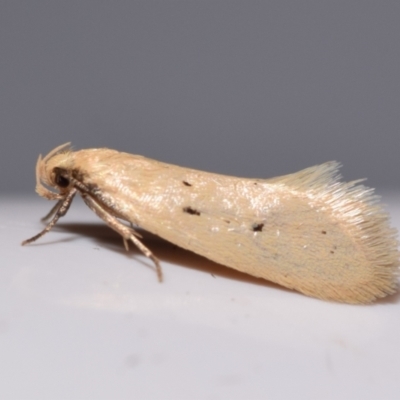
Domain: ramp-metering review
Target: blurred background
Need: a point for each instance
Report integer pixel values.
(247, 88)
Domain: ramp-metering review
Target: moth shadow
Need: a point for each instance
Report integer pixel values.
(105, 237)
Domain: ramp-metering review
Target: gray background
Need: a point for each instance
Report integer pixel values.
(249, 88)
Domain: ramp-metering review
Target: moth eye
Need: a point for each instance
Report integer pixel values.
(62, 181)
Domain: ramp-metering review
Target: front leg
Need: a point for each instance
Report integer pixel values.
(58, 211)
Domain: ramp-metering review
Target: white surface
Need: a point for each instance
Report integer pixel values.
(80, 318)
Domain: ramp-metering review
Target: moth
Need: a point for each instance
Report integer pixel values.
(307, 231)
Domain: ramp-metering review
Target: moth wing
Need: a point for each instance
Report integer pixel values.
(307, 231)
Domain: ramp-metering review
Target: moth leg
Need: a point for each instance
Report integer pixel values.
(53, 210)
(63, 206)
(123, 230)
(138, 235)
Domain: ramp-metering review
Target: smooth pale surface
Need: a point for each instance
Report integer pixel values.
(80, 318)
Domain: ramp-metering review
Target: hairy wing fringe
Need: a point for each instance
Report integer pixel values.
(366, 220)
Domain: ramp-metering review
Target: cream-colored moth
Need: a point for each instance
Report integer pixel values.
(306, 231)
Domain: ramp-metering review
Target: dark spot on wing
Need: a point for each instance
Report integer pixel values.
(191, 211)
(257, 227)
(323, 232)
(186, 183)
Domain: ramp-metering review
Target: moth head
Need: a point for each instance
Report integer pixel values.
(54, 170)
